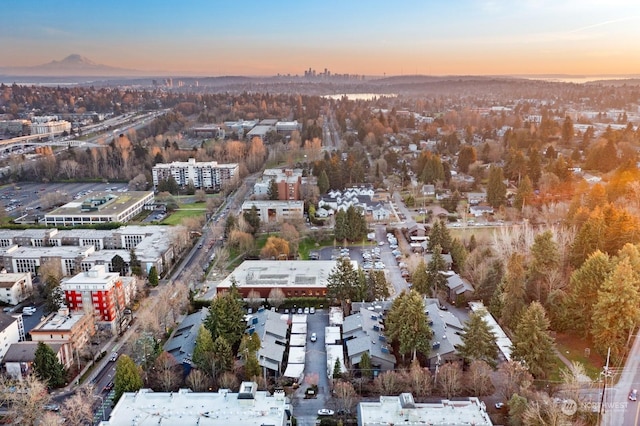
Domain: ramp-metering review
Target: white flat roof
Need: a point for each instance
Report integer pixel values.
(503, 342)
(298, 340)
(299, 328)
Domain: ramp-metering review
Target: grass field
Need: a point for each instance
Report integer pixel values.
(185, 211)
(578, 349)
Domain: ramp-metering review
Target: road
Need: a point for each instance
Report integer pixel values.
(618, 410)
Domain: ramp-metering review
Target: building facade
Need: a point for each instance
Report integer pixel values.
(204, 175)
(99, 293)
(271, 211)
(14, 288)
(73, 329)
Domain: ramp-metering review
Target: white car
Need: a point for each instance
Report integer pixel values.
(325, 412)
(314, 337)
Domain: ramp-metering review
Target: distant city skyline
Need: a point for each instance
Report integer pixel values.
(257, 38)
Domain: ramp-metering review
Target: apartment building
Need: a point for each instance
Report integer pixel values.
(204, 175)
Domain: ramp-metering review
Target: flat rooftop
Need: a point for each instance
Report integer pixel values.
(402, 410)
(110, 204)
(186, 408)
(282, 273)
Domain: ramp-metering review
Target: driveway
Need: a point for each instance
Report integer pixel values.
(306, 410)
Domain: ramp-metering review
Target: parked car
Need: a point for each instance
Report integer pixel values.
(108, 387)
(114, 357)
(633, 395)
(325, 412)
(314, 337)
(52, 407)
(306, 310)
(499, 405)
(312, 310)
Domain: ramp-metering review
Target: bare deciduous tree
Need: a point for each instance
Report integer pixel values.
(512, 378)
(345, 395)
(25, 399)
(254, 299)
(78, 409)
(421, 380)
(450, 379)
(228, 380)
(198, 381)
(167, 372)
(479, 378)
(388, 383)
(276, 297)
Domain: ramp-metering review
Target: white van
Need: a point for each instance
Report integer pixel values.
(29, 310)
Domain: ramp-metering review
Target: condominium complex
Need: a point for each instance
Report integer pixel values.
(208, 175)
(96, 291)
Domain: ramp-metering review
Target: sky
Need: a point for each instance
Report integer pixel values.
(370, 37)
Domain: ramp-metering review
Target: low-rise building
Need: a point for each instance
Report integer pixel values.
(273, 332)
(73, 330)
(20, 356)
(271, 211)
(459, 287)
(403, 410)
(183, 340)
(248, 407)
(364, 332)
(15, 288)
(100, 208)
(17, 259)
(11, 331)
(296, 278)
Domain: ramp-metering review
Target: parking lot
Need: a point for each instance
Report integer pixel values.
(22, 199)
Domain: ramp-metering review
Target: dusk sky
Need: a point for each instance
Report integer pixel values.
(370, 37)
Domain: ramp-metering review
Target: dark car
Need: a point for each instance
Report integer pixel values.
(108, 387)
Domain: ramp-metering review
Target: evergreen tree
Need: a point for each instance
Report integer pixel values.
(420, 280)
(203, 351)
(323, 183)
(118, 265)
(407, 324)
(226, 317)
(340, 283)
(459, 255)
(222, 355)
(252, 217)
(513, 291)
(47, 367)
(439, 236)
(337, 369)
(534, 166)
(545, 259)
(365, 365)
(466, 157)
(251, 367)
(567, 131)
(134, 263)
(153, 276)
(478, 341)
(436, 265)
(128, 377)
(524, 193)
(378, 285)
(54, 296)
(532, 342)
(616, 313)
(272, 192)
(496, 188)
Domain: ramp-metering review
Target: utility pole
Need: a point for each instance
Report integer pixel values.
(605, 373)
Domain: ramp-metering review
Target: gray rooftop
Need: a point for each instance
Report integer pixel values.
(26, 351)
(183, 340)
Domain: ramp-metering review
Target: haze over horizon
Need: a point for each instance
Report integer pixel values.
(254, 38)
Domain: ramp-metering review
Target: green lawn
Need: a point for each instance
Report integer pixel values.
(184, 211)
(574, 348)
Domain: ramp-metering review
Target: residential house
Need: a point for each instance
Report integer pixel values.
(19, 358)
(364, 332)
(183, 340)
(459, 287)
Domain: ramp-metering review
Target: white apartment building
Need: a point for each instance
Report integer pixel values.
(205, 175)
(50, 127)
(14, 288)
(11, 331)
